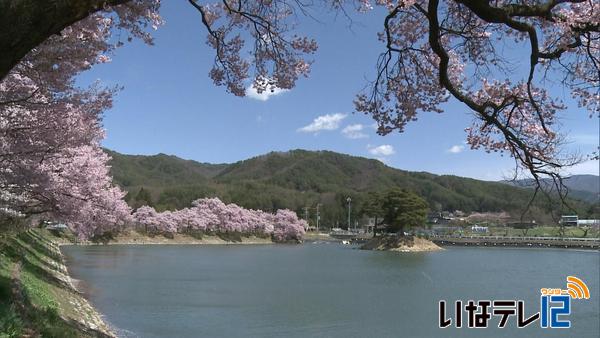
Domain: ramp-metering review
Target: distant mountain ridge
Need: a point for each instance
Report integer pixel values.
(299, 178)
(582, 187)
(589, 183)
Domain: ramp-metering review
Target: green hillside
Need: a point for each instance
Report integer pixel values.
(160, 170)
(299, 178)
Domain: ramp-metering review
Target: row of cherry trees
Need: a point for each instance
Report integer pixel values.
(211, 215)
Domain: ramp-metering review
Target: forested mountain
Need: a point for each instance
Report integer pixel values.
(160, 170)
(300, 178)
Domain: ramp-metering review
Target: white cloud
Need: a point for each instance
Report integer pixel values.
(456, 149)
(265, 95)
(591, 167)
(324, 122)
(354, 131)
(382, 150)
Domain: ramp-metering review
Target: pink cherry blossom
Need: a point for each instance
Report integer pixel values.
(211, 216)
(50, 129)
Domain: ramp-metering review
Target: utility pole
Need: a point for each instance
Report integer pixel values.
(318, 216)
(349, 200)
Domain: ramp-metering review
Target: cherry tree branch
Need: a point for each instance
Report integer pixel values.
(24, 24)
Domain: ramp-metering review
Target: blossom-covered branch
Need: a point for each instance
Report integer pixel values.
(277, 55)
(438, 49)
(25, 24)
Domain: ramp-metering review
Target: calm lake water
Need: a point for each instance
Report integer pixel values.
(321, 289)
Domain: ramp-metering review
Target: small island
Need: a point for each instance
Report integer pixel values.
(401, 244)
(394, 212)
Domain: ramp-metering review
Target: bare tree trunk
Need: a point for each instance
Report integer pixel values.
(24, 24)
(561, 231)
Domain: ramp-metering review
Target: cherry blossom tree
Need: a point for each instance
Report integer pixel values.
(261, 223)
(287, 226)
(212, 211)
(193, 220)
(212, 216)
(50, 129)
(147, 218)
(78, 188)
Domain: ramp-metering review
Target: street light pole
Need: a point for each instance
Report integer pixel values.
(349, 200)
(318, 216)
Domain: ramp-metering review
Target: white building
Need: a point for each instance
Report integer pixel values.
(595, 223)
(478, 228)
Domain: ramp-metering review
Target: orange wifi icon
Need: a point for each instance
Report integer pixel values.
(577, 288)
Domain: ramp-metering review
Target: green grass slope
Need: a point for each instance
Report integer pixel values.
(37, 298)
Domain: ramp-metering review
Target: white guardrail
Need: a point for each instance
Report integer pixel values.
(517, 238)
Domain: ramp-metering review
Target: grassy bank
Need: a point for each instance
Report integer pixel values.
(37, 298)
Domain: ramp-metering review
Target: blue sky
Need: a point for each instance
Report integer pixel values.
(170, 105)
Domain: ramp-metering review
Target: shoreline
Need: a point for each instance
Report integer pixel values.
(132, 237)
(157, 243)
(96, 323)
(135, 238)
